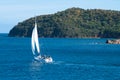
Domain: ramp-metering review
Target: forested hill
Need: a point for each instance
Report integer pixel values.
(73, 22)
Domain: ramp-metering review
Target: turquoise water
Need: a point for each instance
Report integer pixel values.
(74, 59)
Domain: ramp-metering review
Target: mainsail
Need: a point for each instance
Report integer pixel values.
(34, 40)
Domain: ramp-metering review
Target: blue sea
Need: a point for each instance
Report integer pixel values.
(74, 59)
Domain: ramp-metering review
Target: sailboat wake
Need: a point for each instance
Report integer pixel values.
(35, 46)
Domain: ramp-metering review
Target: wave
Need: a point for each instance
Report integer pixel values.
(86, 65)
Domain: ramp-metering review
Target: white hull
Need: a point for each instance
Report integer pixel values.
(44, 59)
(48, 60)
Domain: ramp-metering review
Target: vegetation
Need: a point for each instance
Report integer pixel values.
(73, 22)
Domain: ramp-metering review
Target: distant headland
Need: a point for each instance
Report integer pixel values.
(72, 23)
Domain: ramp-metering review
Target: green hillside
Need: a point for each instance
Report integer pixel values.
(73, 22)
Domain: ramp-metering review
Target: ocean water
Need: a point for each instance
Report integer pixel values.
(74, 59)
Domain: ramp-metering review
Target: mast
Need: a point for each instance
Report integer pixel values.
(34, 40)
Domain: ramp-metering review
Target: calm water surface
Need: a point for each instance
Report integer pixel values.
(74, 59)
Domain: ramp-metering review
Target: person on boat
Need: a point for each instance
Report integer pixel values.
(44, 56)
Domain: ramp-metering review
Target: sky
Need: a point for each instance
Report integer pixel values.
(14, 11)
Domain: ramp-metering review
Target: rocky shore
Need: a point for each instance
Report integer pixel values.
(115, 41)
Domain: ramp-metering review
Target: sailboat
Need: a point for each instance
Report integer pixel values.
(36, 48)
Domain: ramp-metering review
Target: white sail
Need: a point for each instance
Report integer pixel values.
(34, 41)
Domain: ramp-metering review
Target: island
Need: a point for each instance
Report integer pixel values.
(72, 23)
